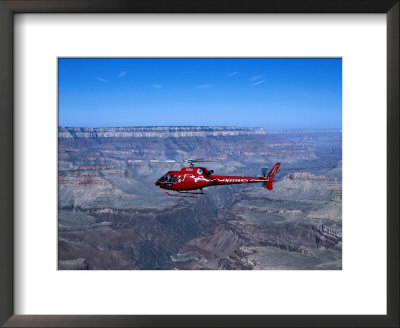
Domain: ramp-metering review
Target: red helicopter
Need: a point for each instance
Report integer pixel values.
(193, 178)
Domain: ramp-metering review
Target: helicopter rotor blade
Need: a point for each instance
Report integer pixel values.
(194, 159)
(206, 161)
(191, 161)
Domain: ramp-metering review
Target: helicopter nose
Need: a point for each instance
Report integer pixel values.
(157, 183)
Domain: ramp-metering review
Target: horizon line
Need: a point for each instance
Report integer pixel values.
(192, 126)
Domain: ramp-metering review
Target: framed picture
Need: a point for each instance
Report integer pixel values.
(120, 85)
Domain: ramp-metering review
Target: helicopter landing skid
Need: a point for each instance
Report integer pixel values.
(194, 194)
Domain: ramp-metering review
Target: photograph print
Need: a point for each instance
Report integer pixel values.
(199, 163)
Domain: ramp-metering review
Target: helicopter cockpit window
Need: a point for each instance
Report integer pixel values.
(170, 178)
(162, 178)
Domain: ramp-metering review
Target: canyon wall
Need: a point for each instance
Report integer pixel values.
(112, 216)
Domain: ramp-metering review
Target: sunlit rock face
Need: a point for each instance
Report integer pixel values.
(112, 216)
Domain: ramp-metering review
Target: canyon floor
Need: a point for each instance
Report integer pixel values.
(113, 217)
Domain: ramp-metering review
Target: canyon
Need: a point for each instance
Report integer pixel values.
(111, 216)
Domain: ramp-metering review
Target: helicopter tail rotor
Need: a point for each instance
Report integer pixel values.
(264, 171)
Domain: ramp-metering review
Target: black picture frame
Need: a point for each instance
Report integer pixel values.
(10, 7)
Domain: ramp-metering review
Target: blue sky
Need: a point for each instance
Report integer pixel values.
(250, 92)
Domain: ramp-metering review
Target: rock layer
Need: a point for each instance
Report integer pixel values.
(111, 216)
